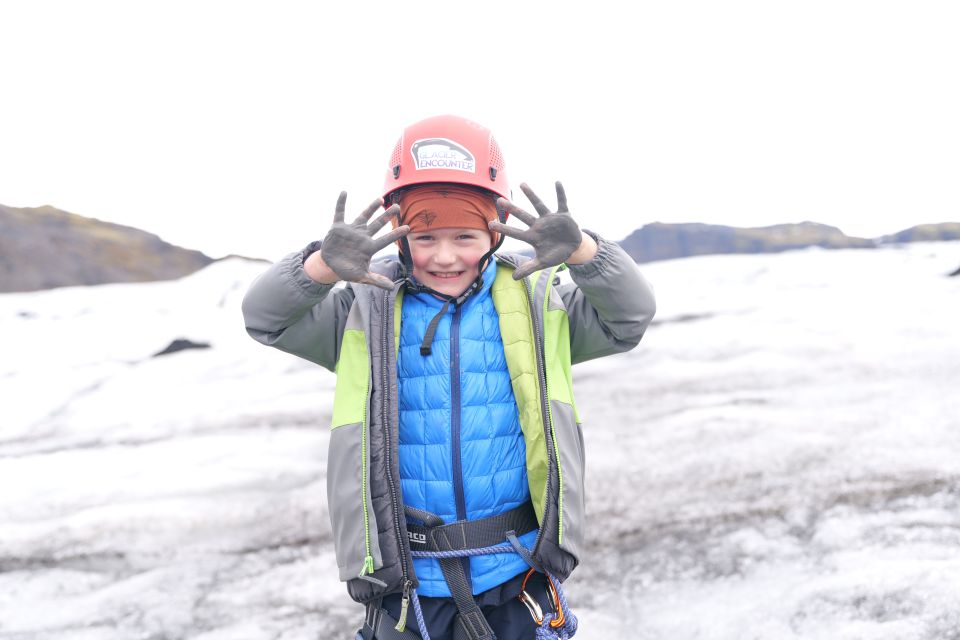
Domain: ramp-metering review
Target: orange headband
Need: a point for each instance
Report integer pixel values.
(447, 207)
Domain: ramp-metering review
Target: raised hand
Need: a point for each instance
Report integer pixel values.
(348, 248)
(554, 236)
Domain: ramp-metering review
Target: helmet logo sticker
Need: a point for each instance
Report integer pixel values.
(440, 153)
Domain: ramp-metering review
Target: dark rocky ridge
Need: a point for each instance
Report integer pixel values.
(659, 241)
(926, 233)
(44, 247)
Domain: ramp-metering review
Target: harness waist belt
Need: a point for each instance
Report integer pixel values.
(469, 534)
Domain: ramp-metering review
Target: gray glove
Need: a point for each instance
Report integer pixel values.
(553, 236)
(348, 248)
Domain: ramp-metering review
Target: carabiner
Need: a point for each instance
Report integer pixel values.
(536, 612)
(533, 607)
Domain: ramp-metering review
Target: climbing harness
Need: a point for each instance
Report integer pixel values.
(450, 543)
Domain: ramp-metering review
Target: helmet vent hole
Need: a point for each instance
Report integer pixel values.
(496, 160)
(395, 158)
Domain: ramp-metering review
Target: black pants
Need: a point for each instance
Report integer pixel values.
(508, 617)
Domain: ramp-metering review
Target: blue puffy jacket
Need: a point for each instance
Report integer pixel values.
(462, 453)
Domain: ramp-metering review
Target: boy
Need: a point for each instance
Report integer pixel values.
(454, 426)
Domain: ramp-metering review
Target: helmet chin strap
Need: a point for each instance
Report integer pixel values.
(416, 287)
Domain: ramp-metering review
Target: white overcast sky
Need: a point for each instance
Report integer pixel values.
(231, 127)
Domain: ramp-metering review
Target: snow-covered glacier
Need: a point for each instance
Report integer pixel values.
(779, 459)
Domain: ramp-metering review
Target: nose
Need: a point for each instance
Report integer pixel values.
(445, 254)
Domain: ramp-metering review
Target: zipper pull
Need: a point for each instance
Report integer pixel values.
(404, 606)
(367, 566)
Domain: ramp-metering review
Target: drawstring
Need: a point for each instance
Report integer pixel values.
(425, 346)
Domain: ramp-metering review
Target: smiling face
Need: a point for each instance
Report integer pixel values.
(448, 260)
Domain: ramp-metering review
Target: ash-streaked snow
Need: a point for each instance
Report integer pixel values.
(779, 459)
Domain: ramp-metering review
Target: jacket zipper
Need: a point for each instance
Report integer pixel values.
(455, 426)
(455, 416)
(385, 417)
(545, 407)
(368, 558)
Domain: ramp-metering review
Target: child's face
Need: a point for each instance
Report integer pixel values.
(448, 260)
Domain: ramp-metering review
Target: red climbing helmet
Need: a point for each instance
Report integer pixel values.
(446, 149)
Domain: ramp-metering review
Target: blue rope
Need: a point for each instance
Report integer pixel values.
(484, 551)
(544, 631)
(419, 613)
(569, 628)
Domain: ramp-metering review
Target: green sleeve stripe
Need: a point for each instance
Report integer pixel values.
(350, 408)
(353, 374)
(397, 311)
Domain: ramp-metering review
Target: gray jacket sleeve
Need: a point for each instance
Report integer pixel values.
(609, 303)
(285, 309)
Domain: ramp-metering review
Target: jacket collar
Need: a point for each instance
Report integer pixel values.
(489, 274)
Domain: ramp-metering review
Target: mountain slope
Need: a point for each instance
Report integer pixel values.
(926, 233)
(659, 241)
(44, 247)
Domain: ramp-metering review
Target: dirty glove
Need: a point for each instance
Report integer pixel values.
(553, 236)
(348, 248)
